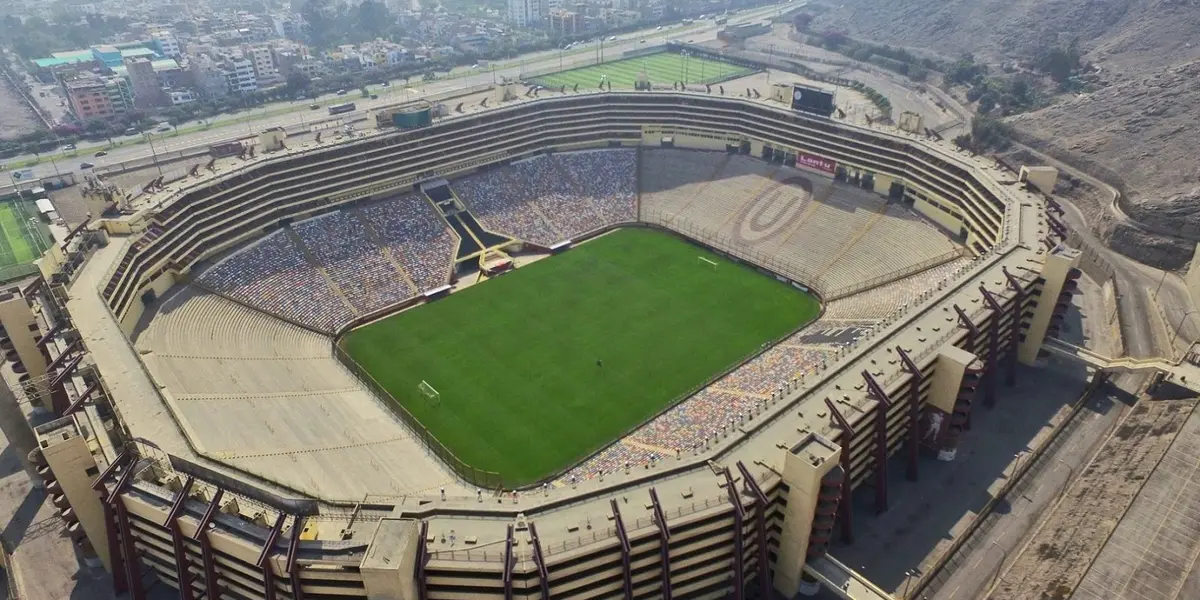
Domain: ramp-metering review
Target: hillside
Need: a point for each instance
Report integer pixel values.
(1140, 125)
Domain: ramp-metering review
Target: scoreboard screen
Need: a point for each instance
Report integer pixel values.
(812, 100)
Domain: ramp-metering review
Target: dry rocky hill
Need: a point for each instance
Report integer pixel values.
(1141, 128)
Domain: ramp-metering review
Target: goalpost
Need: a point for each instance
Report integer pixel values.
(430, 394)
(704, 262)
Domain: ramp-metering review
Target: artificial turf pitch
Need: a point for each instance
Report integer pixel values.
(22, 238)
(517, 359)
(661, 69)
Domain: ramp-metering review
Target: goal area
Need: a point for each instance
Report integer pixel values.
(429, 392)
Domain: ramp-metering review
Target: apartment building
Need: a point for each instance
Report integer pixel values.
(91, 97)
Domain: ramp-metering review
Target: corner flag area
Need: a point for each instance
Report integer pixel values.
(536, 369)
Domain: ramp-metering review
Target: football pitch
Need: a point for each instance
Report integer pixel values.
(538, 368)
(661, 69)
(23, 236)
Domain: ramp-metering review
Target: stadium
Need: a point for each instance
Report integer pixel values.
(587, 345)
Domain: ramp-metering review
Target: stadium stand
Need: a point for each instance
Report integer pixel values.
(607, 178)
(340, 245)
(416, 237)
(273, 275)
(492, 198)
(835, 237)
(222, 363)
(547, 199)
(876, 304)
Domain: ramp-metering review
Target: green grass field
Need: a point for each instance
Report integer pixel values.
(661, 69)
(23, 236)
(514, 359)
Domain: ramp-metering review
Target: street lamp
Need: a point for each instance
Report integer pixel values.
(150, 138)
(1177, 326)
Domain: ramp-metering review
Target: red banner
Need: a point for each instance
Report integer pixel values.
(815, 162)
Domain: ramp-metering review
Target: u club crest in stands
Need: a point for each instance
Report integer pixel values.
(776, 209)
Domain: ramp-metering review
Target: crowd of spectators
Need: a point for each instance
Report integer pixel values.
(549, 199)
(274, 276)
(416, 236)
(608, 178)
(502, 205)
(339, 243)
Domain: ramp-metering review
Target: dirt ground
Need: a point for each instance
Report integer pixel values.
(1055, 559)
(16, 119)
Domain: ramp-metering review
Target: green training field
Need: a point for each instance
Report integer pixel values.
(515, 359)
(663, 68)
(23, 236)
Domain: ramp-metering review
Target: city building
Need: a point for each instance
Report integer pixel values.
(263, 62)
(181, 96)
(239, 74)
(565, 22)
(525, 13)
(208, 76)
(289, 26)
(166, 44)
(147, 90)
(291, 62)
(92, 97)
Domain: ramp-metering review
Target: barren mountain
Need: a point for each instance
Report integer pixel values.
(1142, 126)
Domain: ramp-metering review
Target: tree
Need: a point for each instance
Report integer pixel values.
(373, 20)
(297, 83)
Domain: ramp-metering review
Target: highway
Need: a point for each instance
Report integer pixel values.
(246, 124)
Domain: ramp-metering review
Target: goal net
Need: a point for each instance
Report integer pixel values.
(430, 394)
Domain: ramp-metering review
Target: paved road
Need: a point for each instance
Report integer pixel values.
(247, 123)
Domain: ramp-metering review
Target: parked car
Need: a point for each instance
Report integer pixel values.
(612, 38)
(101, 153)
(69, 147)
(86, 165)
(374, 96)
(314, 106)
(131, 131)
(341, 92)
(163, 128)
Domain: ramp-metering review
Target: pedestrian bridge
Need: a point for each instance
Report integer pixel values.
(1184, 373)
